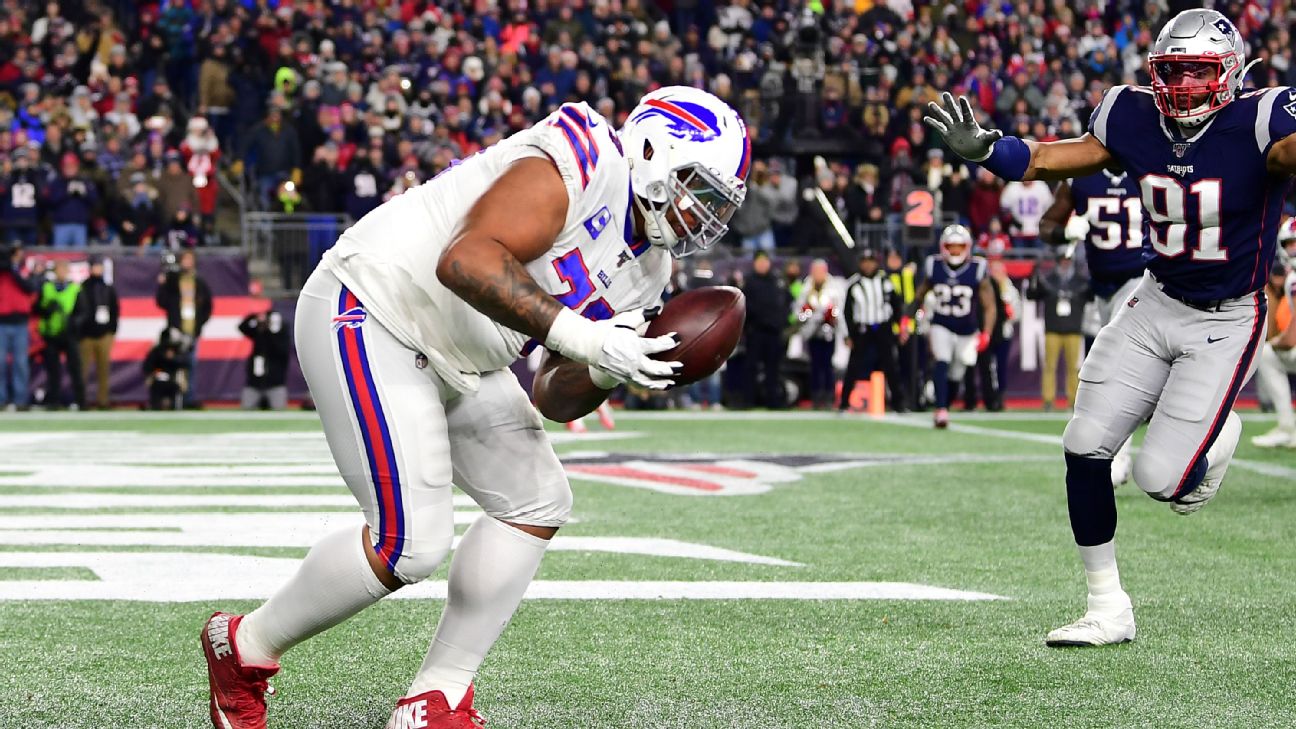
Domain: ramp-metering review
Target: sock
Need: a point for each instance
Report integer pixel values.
(333, 583)
(1100, 569)
(940, 378)
(1091, 504)
(489, 573)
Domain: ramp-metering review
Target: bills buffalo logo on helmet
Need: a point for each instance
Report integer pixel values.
(351, 318)
(685, 120)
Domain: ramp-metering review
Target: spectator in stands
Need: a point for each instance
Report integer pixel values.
(180, 232)
(322, 184)
(863, 197)
(16, 290)
(1025, 203)
(366, 181)
(983, 201)
(97, 313)
(1064, 295)
(71, 198)
(994, 242)
(267, 366)
(175, 188)
(215, 95)
(19, 184)
(273, 154)
(784, 202)
(1019, 90)
(57, 327)
(185, 297)
(768, 305)
(135, 213)
(818, 311)
(754, 222)
(201, 152)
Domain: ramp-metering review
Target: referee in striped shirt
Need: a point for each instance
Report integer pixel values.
(874, 311)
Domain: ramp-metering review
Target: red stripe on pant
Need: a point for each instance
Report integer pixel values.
(1230, 395)
(382, 480)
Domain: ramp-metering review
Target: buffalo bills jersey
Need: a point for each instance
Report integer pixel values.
(1212, 205)
(955, 290)
(596, 267)
(1114, 247)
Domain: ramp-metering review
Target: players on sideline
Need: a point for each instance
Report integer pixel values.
(1103, 210)
(1213, 164)
(957, 281)
(1278, 356)
(559, 236)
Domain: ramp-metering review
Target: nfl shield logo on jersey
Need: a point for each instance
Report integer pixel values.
(1180, 150)
(351, 318)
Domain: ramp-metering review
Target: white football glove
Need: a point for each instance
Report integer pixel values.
(958, 126)
(1077, 227)
(614, 349)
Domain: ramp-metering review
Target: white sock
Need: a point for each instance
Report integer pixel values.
(333, 583)
(1102, 575)
(489, 573)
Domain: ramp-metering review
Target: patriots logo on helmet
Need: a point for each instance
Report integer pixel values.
(1225, 27)
(351, 318)
(685, 120)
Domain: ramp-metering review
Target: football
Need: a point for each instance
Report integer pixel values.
(709, 322)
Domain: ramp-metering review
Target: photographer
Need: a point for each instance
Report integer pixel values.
(15, 310)
(97, 312)
(187, 301)
(165, 372)
(57, 327)
(267, 368)
(1064, 294)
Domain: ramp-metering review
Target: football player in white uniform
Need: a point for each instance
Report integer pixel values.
(1278, 356)
(559, 236)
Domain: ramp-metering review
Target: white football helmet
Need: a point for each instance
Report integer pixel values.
(1287, 242)
(955, 244)
(1197, 44)
(689, 155)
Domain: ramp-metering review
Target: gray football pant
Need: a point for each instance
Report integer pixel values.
(1181, 365)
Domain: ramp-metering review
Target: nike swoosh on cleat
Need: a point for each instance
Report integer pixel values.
(1212, 341)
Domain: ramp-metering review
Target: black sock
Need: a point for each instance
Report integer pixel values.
(1091, 501)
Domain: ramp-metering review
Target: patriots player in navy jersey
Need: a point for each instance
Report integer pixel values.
(1103, 211)
(1213, 165)
(957, 281)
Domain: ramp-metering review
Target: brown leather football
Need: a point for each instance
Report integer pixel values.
(709, 322)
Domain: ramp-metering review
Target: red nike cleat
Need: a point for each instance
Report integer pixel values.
(429, 710)
(237, 692)
(576, 426)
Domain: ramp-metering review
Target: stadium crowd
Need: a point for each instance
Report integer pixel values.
(117, 116)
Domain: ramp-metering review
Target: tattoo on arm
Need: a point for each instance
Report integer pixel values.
(494, 281)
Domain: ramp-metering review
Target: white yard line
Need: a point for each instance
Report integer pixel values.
(191, 577)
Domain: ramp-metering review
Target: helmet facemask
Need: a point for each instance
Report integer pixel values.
(689, 211)
(955, 235)
(1190, 88)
